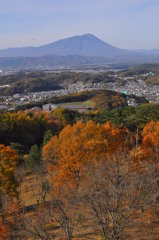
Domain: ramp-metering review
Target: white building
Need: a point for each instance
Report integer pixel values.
(3, 107)
(49, 107)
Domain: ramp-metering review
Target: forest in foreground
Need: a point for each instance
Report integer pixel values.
(70, 175)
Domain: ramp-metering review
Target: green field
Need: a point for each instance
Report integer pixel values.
(87, 103)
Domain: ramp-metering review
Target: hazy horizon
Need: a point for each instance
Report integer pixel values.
(122, 23)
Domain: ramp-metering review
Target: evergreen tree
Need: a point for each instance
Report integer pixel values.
(33, 160)
(47, 136)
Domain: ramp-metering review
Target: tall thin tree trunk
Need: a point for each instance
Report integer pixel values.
(68, 234)
(104, 234)
(2, 205)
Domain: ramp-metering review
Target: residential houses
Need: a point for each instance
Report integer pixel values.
(134, 86)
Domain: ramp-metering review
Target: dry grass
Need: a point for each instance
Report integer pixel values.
(145, 228)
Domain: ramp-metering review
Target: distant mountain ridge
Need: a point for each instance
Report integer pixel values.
(85, 45)
(86, 49)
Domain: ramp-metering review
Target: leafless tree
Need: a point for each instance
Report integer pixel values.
(64, 210)
(34, 226)
(59, 210)
(114, 194)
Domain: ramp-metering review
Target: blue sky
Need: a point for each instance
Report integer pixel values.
(130, 24)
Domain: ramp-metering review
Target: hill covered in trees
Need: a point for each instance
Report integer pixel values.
(70, 175)
(25, 82)
(148, 72)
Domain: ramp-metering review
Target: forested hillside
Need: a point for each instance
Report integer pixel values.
(41, 81)
(71, 175)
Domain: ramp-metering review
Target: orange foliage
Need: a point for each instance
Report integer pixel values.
(75, 147)
(118, 137)
(8, 161)
(150, 144)
(104, 102)
(4, 232)
(78, 146)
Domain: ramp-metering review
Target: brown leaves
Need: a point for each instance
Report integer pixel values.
(4, 232)
(80, 145)
(150, 144)
(75, 147)
(8, 161)
(104, 102)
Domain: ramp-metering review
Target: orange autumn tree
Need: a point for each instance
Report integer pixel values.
(78, 146)
(119, 138)
(108, 102)
(87, 162)
(8, 184)
(74, 148)
(8, 161)
(150, 144)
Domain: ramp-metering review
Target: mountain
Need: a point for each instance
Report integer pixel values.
(74, 51)
(85, 45)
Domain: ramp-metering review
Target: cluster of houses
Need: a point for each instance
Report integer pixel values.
(129, 86)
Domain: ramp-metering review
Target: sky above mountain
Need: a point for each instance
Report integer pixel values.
(123, 23)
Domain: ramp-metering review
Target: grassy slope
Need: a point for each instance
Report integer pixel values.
(88, 103)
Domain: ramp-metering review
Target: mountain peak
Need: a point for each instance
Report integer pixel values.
(86, 36)
(82, 45)
(89, 35)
